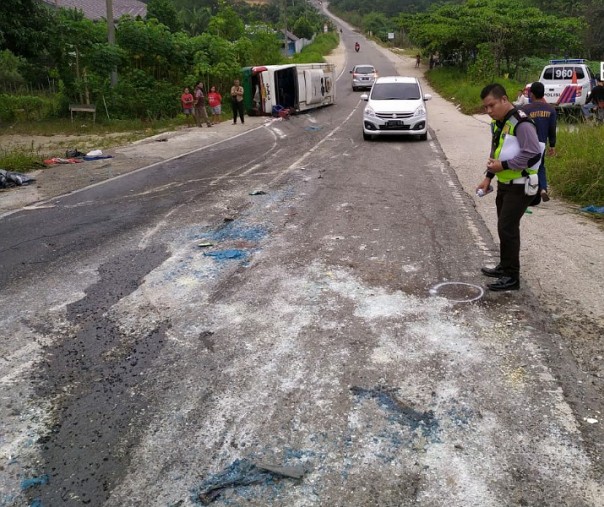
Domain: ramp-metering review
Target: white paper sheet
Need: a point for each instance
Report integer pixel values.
(511, 148)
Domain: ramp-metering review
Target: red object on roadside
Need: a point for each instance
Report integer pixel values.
(60, 160)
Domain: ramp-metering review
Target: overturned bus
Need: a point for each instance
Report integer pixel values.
(294, 87)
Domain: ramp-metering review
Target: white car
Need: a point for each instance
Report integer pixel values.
(395, 106)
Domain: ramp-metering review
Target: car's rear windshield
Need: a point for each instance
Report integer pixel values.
(368, 69)
(562, 73)
(395, 91)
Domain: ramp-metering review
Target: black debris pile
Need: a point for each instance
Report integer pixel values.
(10, 179)
(75, 153)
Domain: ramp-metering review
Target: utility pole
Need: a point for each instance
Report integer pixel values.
(111, 37)
(284, 18)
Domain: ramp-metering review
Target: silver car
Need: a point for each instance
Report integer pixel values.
(363, 76)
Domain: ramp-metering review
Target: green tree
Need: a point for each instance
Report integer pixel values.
(24, 27)
(149, 47)
(378, 24)
(75, 42)
(227, 24)
(302, 28)
(594, 37)
(10, 77)
(511, 30)
(483, 68)
(195, 21)
(264, 49)
(189, 5)
(164, 12)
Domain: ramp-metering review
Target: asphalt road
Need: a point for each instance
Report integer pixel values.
(171, 339)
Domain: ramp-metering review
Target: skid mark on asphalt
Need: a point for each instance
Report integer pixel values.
(32, 319)
(485, 245)
(45, 204)
(261, 160)
(86, 374)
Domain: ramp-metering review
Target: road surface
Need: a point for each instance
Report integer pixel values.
(290, 317)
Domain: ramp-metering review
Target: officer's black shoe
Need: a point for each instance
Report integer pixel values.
(505, 283)
(495, 272)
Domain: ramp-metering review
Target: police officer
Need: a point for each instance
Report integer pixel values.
(511, 200)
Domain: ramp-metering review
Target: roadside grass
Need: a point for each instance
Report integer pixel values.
(410, 52)
(83, 125)
(55, 136)
(21, 159)
(577, 172)
(323, 44)
(454, 85)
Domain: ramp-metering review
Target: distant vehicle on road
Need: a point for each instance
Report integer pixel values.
(293, 87)
(363, 76)
(395, 106)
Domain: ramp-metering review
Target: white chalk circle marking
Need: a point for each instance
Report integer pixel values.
(457, 289)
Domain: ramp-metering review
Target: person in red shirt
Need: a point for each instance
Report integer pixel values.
(215, 102)
(187, 102)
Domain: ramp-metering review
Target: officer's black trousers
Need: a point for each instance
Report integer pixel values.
(511, 204)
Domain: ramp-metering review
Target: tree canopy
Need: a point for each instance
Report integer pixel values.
(587, 14)
(509, 29)
(24, 27)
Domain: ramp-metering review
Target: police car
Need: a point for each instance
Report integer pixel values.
(567, 82)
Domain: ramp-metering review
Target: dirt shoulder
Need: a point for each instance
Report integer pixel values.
(126, 157)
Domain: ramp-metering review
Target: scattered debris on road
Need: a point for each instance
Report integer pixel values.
(243, 472)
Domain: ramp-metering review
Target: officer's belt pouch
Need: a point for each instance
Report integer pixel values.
(531, 184)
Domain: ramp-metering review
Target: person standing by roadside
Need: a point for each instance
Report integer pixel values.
(594, 102)
(418, 59)
(187, 101)
(215, 102)
(201, 115)
(511, 200)
(545, 117)
(237, 101)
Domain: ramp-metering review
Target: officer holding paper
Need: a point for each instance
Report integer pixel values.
(515, 163)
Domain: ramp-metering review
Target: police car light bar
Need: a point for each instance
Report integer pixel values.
(568, 60)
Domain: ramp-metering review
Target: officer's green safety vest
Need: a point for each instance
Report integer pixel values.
(509, 128)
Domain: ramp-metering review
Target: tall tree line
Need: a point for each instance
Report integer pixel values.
(178, 43)
(380, 14)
